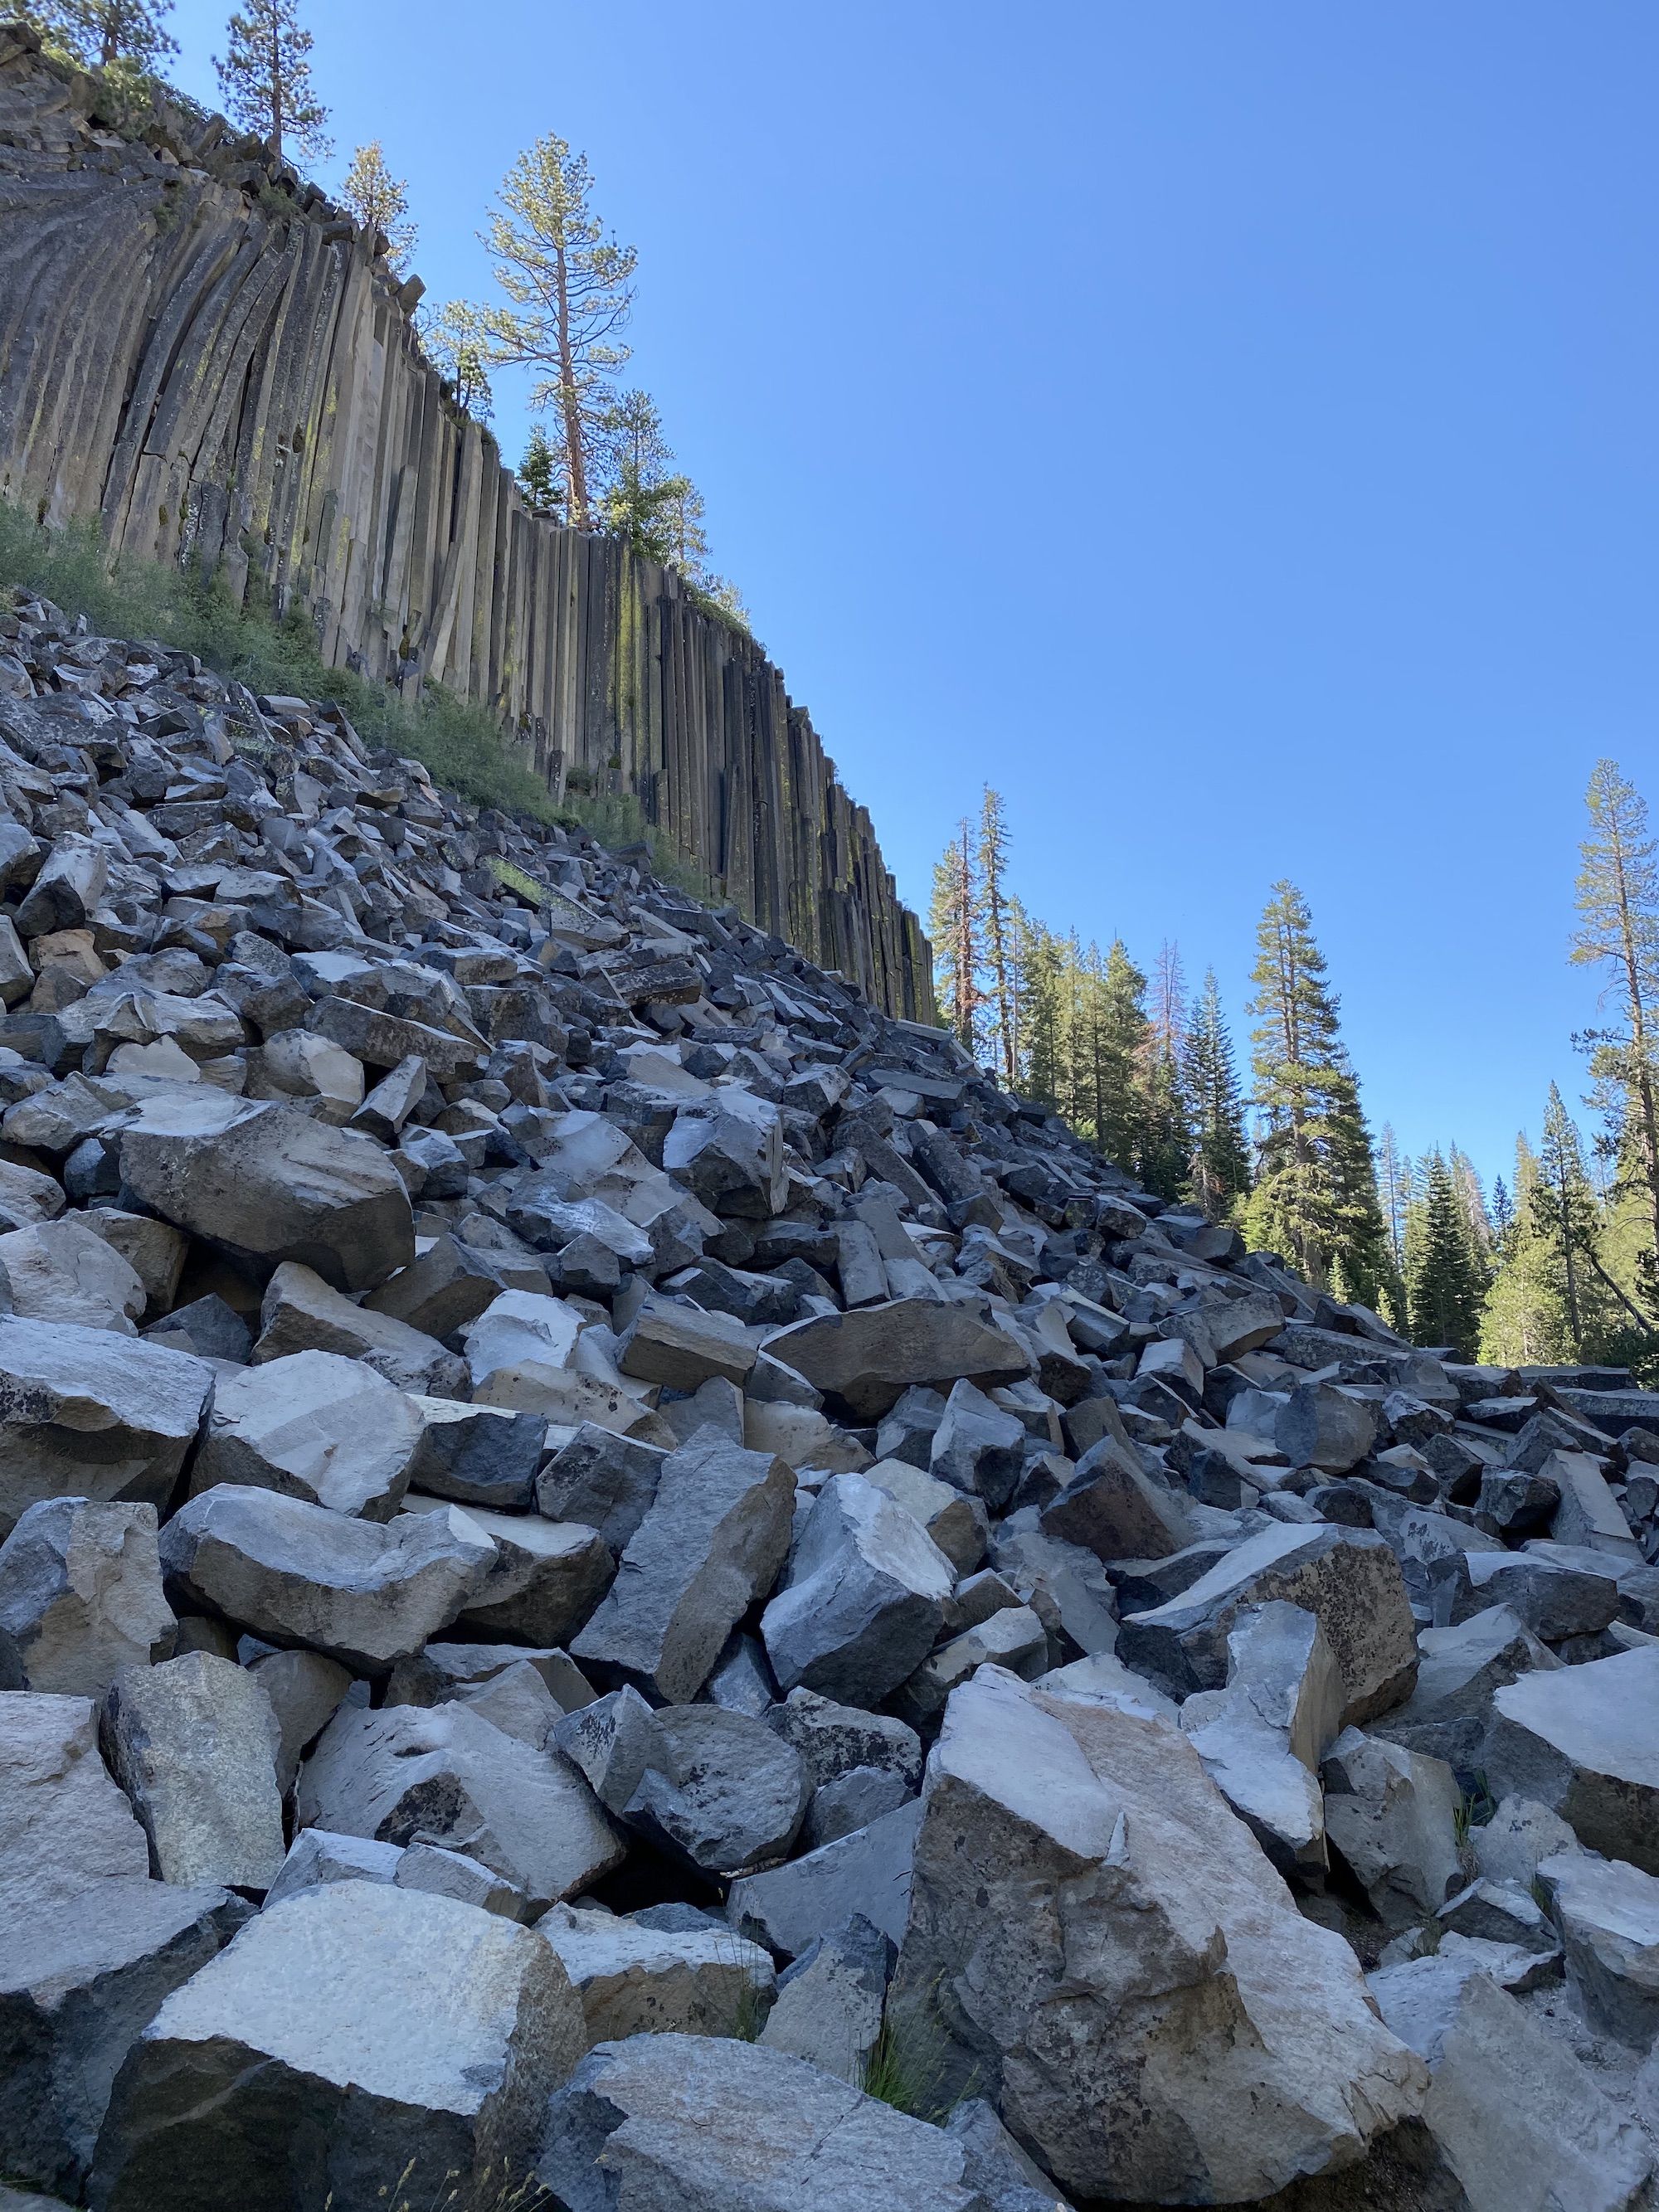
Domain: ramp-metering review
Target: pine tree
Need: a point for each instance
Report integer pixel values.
(571, 289)
(1477, 1221)
(124, 36)
(265, 76)
(1220, 1156)
(457, 348)
(1524, 1323)
(1618, 901)
(538, 476)
(1503, 1219)
(380, 202)
(1167, 1136)
(1315, 1193)
(1123, 1132)
(1393, 1192)
(953, 924)
(1037, 965)
(999, 949)
(1563, 1210)
(1444, 1284)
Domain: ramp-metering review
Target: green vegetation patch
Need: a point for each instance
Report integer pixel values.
(460, 745)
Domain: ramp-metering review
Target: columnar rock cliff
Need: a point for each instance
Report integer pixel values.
(212, 361)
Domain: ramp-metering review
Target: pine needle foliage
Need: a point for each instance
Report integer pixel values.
(1315, 1199)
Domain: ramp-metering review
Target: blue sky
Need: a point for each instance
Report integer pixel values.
(1230, 430)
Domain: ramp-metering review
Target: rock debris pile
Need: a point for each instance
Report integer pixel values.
(618, 1572)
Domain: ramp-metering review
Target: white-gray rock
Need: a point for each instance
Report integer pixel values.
(1392, 1814)
(80, 1593)
(313, 1425)
(1585, 1742)
(1190, 2037)
(194, 1743)
(1521, 2124)
(79, 1978)
(346, 2031)
(868, 1872)
(864, 1597)
(1608, 1916)
(64, 1826)
(789, 2138)
(637, 1980)
(442, 1774)
(86, 1413)
(712, 1542)
(832, 2000)
(1348, 1578)
(296, 1573)
(270, 1182)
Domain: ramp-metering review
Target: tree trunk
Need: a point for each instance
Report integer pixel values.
(570, 404)
(276, 93)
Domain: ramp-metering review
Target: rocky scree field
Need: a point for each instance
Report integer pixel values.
(625, 1587)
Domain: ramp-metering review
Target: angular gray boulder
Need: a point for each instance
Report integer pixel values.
(1584, 1741)
(634, 1979)
(295, 1573)
(1348, 1578)
(1521, 2124)
(345, 2033)
(315, 1425)
(864, 1361)
(442, 1774)
(632, 2128)
(79, 1981)
(80, 1593)
(269, 1183)
(194, 1743)
(300, 1312)
(86, 1413)
(64, 1826)
(864, 1598)
(1206, 2044)
(711, 1543)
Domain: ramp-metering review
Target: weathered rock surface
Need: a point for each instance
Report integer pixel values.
(64, 1826)
(1347, 1578)
(638, 1980)
(863, 1600)
(712, 1542)
(442, 1774)
(85, 1414)
(195, 1743)
(633, 2127)
(297, 1573)
(80, 1593)
(1188, 2037)
(1585, 1742)
(348, 2029)
(79, 1980)
(1522, 2126)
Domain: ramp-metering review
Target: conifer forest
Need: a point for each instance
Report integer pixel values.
(1554, 1263)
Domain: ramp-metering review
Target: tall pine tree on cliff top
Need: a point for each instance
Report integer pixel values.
(571, 290)
(265, 76)
(999, 937)
(108, 34)
(1315, 1201)
(380, 202)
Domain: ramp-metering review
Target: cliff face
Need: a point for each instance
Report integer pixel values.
(216, 366)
